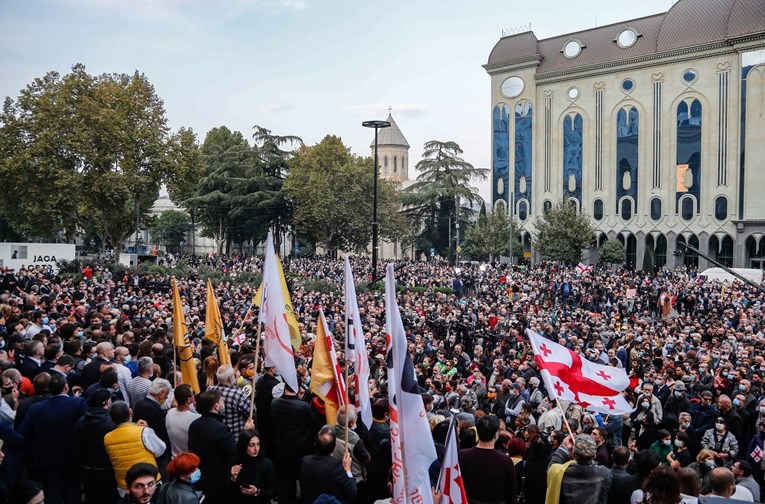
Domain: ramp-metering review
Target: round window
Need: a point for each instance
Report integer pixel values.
(512, 87)
(572, 49)
(573, 93)
(627, 38)
(689, 76)
(628, 85)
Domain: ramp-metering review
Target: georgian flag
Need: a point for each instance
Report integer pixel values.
(757, 454)
(450, 481)
(582, 268)
(412, 447)
(569, 377)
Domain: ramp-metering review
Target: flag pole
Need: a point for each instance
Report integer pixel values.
(565, 421)
(255, 373)
(347, 404)
(175, 366)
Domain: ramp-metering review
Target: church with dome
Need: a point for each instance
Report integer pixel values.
(654, 127)
(393, 162)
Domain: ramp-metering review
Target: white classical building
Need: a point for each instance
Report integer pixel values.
(655, 127)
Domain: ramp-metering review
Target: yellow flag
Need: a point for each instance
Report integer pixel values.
(214, 326)
(291, 319)
(183, 346)
(326, 376)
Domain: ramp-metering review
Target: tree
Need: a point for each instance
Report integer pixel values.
(83, 152)
(170, 228)
(442, 194)
(490, 235)
(562, 233)
(330, 190)
(612, 252)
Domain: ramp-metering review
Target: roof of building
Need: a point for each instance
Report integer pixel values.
(391, 135)
(688, 23)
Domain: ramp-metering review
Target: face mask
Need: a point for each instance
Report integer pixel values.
(195, 476)
(127, 358)
(222, 411)
(762, 410)
(736, 403)
(666, 442)
(679, 443)
(678, 394)
(710, 464)
(80, 334)
(248, 373)
(45, 320)
(644, 405)
(491, 396)
(742, 387)
(720, 426)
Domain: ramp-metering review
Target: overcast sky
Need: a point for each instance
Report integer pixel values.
(300, 67)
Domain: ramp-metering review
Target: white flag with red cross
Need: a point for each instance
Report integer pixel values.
(570, 377)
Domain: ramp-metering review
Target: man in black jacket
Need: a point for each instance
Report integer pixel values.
(263, 398)
(294, 431)
(213, 442)
(89, 432)
(324, 474)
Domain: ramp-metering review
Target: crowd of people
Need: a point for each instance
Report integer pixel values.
(94, 407)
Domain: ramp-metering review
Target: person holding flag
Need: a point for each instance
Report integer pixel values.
(356, 349)
(326, 377)
(182, 343)
(214, 326)
(412, 445)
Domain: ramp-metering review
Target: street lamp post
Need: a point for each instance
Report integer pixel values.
(377, 125)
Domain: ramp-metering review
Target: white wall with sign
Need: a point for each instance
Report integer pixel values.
(18, 255)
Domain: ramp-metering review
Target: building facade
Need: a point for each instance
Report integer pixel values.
(655, 127)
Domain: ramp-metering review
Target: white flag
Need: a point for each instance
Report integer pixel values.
(356, 348)
(277, 346)
(412, 446)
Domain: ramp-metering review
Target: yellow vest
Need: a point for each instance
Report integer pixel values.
(125, 449)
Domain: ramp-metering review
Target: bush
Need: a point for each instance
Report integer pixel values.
(249, 277)
(443, 290)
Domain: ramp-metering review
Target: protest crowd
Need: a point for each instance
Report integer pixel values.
(96, 407)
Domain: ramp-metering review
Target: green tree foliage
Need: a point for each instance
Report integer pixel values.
(331, 191)
(188, 165)
(170, 228)
(612, 252)
(562, 233)
(489, 236)
(444, 183)
(81, 151)
(240, 193)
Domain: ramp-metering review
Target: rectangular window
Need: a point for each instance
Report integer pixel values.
(395, 164)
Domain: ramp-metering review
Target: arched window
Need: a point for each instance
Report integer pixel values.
(395, 164)
(687, 209)
(572, 157)
(500, 153)
(656, 209)
(626, 209)
(546, 206)
(721, 208)
(627, 146)
(522, 211)
(597, 209)
(523, 149)
(689, 150)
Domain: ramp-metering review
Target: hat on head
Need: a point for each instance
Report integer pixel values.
(585, 447)
(680, 387)
(515, 386)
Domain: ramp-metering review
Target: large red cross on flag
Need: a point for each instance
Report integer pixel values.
(569, 377)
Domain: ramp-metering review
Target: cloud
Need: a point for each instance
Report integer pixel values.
(277, 105)
(379, 109)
